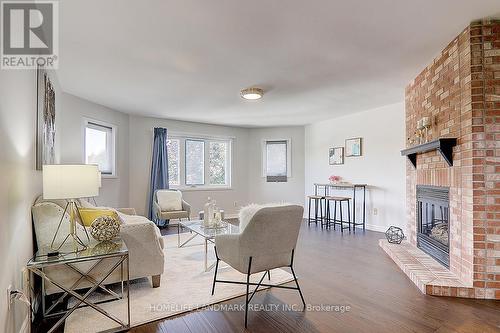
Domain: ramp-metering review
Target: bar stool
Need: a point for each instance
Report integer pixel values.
(329, 221)
(318, 203)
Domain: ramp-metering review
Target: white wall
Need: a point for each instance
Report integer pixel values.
(141, 141)
(20, 184)
(259, 190)
(114, 191)
(134, 145)
(381, 166)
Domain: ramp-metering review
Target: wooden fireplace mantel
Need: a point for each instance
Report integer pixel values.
(443, 145)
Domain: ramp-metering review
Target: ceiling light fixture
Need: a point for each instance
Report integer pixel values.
(252, 93)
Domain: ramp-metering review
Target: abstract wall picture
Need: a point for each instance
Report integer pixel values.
(336, 156)
(353, 147)
(46, 120)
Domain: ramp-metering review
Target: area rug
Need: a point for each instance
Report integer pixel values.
(184, 287)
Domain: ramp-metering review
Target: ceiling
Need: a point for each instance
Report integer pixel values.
(315, 59)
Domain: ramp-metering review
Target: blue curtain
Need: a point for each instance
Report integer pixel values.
(159, 166)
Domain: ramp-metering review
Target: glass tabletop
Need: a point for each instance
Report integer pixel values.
(95, 250)
(197, 227)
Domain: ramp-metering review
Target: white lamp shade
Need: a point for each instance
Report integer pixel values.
(64, 181)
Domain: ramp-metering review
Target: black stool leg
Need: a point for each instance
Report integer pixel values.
(349, 216)
(341, 219)
(309, 213)
(321, 210)
(327, 215)
(334, 214)
(316, 211)
(329, 203)
(330, 214)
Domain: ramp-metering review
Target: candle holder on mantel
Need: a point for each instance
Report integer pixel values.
(419, 133)
(426, 123)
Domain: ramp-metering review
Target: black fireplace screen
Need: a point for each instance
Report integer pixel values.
(433, 222)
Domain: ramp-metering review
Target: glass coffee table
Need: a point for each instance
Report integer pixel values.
(197, 229)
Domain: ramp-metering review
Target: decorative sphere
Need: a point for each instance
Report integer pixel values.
(394, 235)
(104, 228)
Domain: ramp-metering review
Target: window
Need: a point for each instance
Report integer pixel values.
(199, 162)
(173, 147)
(195, 162)
(218, 163)
(276, 159)
(100, 146)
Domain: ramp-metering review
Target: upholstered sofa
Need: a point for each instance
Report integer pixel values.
(140, 235)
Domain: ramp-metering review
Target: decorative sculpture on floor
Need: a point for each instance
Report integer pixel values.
(394, 235)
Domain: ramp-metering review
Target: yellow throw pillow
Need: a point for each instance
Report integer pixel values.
(88, 215)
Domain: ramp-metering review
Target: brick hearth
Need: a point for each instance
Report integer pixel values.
(428, 275)
(460, 92)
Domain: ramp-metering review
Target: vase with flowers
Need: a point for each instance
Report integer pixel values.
(334, 179)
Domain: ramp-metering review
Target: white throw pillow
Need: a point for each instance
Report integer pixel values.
(247, 213)
(169, 200)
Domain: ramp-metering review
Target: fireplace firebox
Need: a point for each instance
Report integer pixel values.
(433, 206)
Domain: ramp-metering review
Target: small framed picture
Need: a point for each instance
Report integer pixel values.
(353, 147)
(336, 155)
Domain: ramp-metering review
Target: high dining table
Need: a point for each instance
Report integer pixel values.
(348, 187)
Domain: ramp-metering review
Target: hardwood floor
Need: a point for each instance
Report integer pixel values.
(351, 270)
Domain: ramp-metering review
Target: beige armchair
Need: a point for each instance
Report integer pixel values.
(266, 242)
(169, 205)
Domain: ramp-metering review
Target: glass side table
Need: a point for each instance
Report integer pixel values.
(95, 254)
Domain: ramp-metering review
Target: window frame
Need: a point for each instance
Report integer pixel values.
(228, 161)
(182, 162)
(112, 144)
(204, 162)
(288, 156)
(178, 161)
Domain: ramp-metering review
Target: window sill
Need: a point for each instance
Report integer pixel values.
(202, 188)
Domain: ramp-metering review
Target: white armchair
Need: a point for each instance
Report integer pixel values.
(267, 240)
(169, 205)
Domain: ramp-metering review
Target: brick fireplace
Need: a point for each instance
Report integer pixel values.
(460, 92)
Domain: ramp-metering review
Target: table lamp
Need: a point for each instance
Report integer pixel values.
(99, 182)
(70, 182)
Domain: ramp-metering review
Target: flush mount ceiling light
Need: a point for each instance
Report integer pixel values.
(252, 93)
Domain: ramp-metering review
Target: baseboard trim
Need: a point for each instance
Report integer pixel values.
(374, 227)
(371, 227)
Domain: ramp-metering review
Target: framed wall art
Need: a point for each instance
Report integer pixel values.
(336, 156)
(353, 147)
(46, 120)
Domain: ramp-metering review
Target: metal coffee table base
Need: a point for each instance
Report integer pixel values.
(207, 267)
